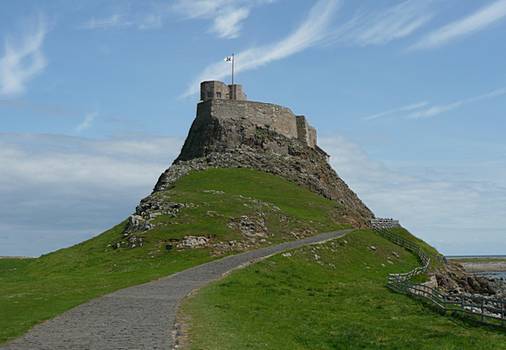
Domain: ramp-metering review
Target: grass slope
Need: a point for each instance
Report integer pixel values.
(33, 290)
(331, 296)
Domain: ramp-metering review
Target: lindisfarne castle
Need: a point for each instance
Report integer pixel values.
(230, 101)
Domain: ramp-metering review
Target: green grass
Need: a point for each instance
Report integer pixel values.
(336, 302)
(427, 248)
(33, 290)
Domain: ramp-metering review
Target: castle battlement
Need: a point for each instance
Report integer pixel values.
(217, 90)
(229, 102)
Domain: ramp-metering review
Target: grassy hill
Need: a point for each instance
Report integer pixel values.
(329, 296)
(33, 290)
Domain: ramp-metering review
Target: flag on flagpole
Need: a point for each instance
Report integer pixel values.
(231, 60)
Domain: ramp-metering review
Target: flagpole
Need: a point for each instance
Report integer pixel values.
(233, 59)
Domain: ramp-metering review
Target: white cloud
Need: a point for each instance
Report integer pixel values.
(436, 110)
(87, 122)
(448, 208)
(477, 21)
(23, 59)
(227, 15)
(311, 31)
(386, 25)
(228, 24)
(33, 160)
(112, 21)
(201, 8)
(425, 109)
(397, 110)
(66, 189)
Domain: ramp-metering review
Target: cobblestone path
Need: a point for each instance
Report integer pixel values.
(139, 317)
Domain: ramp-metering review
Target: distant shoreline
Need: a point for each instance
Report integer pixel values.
(459, 257)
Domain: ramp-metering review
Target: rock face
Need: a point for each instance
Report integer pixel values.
(250, 227)
(265, 137)
(453, 278)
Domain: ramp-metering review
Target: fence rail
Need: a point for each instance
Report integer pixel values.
(483, 309)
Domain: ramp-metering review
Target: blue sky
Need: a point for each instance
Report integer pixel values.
(409, 98)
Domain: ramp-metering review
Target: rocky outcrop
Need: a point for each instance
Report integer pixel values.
(454, 279)
(193, 242)
(150, 208)
(250, 227)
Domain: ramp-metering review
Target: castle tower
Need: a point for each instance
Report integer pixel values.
(217, 90)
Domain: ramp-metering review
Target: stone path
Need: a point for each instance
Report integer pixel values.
(139, 317)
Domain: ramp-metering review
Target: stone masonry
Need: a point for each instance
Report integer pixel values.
(217, 90)
(229, 102)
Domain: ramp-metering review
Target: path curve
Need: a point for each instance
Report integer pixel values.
(142, 316)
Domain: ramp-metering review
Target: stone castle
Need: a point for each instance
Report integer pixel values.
(230, 101)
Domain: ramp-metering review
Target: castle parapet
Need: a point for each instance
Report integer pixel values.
(217, 90)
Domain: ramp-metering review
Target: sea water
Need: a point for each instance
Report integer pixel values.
(493, 274)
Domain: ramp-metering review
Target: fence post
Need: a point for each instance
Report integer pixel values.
(482, 311)
(502, 312)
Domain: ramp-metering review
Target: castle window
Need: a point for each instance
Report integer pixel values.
(218, 95)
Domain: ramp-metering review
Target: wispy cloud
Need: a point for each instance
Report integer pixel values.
(426, 110)
(477, 21)
(311, 31)
(227, 15)
(23, 59)
(144, 15)
(112, 21)
(201, 8)
(87, 122)
(228, 25)
(435, 110)
(397, 110)
(386, 25)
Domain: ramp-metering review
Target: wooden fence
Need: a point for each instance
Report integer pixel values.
(480, 308)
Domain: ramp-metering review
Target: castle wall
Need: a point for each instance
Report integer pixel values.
(312, 139)
(229, 102)
(277, 118)
(236, 92)
(302, 130)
